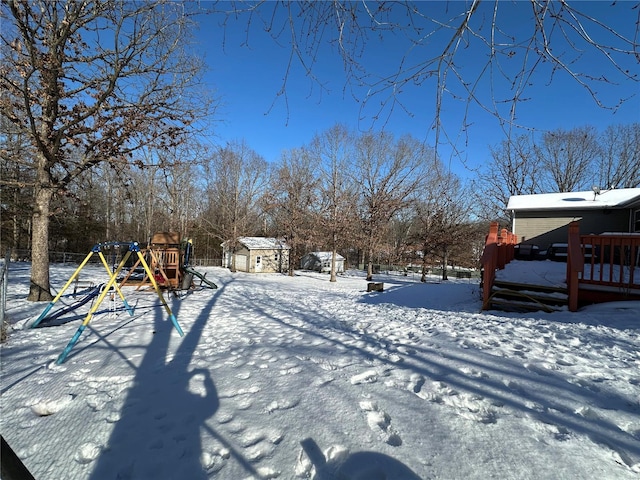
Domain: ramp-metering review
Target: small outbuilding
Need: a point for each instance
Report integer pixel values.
(257, 255)
(321, 262)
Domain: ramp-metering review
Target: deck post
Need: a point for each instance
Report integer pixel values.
(511, 252)
(488, 261)
(575, 264)
(502, 257)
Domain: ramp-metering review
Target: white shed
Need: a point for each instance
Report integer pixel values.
(321, 262)
(257, 255)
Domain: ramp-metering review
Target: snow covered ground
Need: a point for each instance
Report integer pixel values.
(290, 378)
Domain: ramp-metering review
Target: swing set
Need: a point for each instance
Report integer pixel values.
(133, 248)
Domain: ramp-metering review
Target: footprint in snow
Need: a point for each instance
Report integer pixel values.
(370, 376)
(291, 370)
(87, 453)
(322, 381)
(284, 404)
(415, 383)
(514, 386)
(469, 406)
(541, 368)
(212, 462)
(113, 416)
(224, 417)
(98, 401)
(241, 391)
(556, 432)
(379, 422)
(45, 408)
(244, 403)
(472, 407)
(251, 438)
(472, 372)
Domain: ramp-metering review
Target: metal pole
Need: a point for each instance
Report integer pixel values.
(3, 287)
(96, 305)
(75, 274)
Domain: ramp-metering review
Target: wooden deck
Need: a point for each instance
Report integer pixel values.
(609, 273)
(599, 268)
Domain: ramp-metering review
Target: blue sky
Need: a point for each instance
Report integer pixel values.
(247, 78)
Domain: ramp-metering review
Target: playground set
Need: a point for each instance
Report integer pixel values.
(164, 264)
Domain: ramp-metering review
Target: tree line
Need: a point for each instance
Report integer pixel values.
(559, 161)
(372, 197)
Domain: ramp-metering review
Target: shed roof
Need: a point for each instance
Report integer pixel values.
(324, 256)
(263, 243)
(616, 198)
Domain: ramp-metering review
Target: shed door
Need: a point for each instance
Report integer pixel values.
(241, 263)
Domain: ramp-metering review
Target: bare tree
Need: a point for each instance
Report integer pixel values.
(15, 173)
(401, 237)
(436, 39)
(101, 78)
(333, 150)
(442, 217)
(619, 164)
(292, 201)
(236, 180)
(514, 169)
(388, 175)
(181, 171)
(568, 158)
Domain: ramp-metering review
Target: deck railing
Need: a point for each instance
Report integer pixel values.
(499, 249)
(607, 262)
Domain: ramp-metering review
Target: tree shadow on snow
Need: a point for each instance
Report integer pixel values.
(445, 296)
(486, 382)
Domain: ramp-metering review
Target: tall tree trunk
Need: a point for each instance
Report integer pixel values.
(232, 267)
(333, 264)
(234, 248)
(425, 252)
(445, 263)
(39, 289)
(293, 259)
(16, 226)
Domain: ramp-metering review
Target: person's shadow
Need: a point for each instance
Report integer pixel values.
(357, 466)
(159, 429)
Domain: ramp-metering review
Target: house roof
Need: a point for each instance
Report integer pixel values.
(617, 198)
(324, 256)
(263, 243)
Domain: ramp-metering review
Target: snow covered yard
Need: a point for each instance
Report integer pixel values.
(280, 377)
